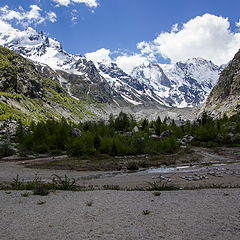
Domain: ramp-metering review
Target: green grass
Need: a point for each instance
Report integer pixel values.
(11, 95)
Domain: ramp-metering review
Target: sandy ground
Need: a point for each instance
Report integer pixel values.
(178, 215)
(199, 214)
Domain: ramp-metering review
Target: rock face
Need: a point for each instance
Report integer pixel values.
(225, 96)
(17, 75)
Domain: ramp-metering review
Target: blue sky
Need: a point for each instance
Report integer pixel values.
(84, 26)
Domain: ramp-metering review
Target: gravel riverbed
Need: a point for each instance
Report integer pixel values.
(196, 214)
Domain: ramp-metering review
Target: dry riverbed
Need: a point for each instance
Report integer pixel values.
(127, 215)
(112, 215)
(214, 167)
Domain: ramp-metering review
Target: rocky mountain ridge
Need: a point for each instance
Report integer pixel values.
(225, 96)
(177, 85)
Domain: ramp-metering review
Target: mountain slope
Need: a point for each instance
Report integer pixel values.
(26, 94)
(225, 96)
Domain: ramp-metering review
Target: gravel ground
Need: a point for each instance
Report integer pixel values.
(199, 214)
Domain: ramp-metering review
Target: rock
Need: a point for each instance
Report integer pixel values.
(135, 129)
(187, 139)
(76, 132)
(165, 134)
(139, 188)
(153, 136)
(224, 98)
(232, 137)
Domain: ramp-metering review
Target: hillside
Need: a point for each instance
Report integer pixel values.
(225, 96)
(26, 94)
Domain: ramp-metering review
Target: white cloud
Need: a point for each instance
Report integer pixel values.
(89, 3)
(128, 62)
(62, 2)
(206, 36)
(5, 27)
(21, 16)
(145, 48)
(100, 55)
(26, 18)
(74, 16)
(51, 16)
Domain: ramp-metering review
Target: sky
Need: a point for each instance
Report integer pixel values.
(131, 32)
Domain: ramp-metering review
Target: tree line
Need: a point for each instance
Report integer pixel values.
(123, 135)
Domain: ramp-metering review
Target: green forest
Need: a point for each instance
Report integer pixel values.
(123, 135)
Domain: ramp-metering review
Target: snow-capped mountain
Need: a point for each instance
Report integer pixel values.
(184, 84)
(130, 89)
(79, 77)
(194, 80)
(38, 47)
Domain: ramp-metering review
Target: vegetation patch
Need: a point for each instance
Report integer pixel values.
(161, 185)
(146, 212)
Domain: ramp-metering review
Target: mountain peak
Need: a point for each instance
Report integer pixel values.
(30, 30)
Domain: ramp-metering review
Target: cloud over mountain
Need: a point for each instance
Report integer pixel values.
(25, 18)
(207, 36)
(89, 3)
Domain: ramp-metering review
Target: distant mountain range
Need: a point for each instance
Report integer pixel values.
(184, 84)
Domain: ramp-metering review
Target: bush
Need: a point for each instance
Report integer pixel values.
(6, 151)
(161, 185)
(63, 183)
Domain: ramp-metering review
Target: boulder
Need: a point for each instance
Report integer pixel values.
(187, 139)
(165, 134)
(153, 136)
(76, 132)
(135, 129)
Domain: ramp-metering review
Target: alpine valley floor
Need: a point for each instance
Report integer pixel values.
(108, 214)
(114, 215)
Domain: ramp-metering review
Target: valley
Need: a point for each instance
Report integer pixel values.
(150, 90)
(114, 131)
